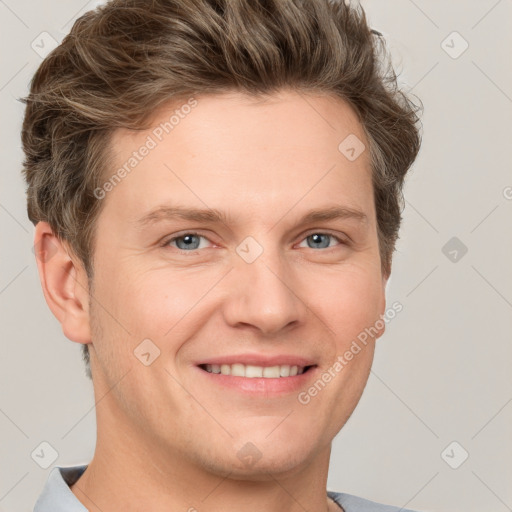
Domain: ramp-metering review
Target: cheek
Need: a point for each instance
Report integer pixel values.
(163, 304)
(352, 306)
(349, 300)
(146, 301)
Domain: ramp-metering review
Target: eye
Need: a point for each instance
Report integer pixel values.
(321, 240)
(191, 241)
(187, 241)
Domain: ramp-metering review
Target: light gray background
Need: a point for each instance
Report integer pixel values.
(441, 370)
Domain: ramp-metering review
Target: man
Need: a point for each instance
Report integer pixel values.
(216, 190)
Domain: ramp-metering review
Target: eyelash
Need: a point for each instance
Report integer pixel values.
(166, 243)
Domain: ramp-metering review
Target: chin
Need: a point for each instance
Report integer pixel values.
(262, 458)
(267, 468)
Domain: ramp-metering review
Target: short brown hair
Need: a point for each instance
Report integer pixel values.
(126, 58)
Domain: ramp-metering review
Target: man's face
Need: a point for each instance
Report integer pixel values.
(259, 287)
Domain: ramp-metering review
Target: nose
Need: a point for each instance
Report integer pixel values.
(265, 294)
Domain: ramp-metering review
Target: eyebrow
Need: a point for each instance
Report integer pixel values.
(214, 216)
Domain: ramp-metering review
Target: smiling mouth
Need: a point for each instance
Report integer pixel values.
(252, 371)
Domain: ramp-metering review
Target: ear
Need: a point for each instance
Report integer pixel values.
(64, 283)
(382, 306)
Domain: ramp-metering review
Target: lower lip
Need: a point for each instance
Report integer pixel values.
(260, 385)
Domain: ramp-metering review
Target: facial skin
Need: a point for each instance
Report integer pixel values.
(168, 434)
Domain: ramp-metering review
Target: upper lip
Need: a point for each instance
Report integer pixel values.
(260, 360)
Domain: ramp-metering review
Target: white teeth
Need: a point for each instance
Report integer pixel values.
(284, 371)
(251, 371)
(238, 370)
(271, 372)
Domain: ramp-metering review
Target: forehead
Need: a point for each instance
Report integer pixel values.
(244, 154)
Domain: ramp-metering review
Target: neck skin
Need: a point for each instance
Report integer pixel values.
(130, 472)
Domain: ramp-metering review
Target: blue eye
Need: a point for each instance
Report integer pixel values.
(189, 242)
(321, 239)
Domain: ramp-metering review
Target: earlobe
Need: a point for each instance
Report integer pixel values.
(64, 283)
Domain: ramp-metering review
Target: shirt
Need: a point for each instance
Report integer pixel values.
(57, 496)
